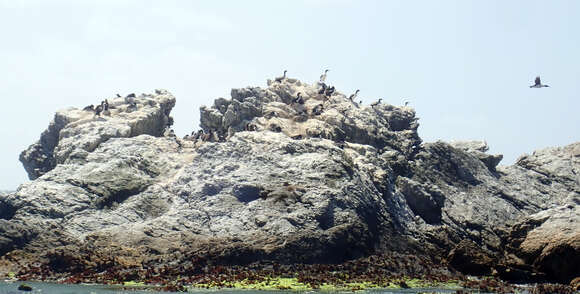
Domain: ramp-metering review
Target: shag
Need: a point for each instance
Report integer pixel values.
(329, 91)
(280, 79)
(353, 96)
(130, 99)
(323, 76)
(89, 108)
(106, 104)
(298, 99)
(169, 132)
(317, 110)
(322, 89)
(538, 83)
(98, 110)
(376, 103)
(407, 103)
(118, 96)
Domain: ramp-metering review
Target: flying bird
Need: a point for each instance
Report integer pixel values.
(538, 83)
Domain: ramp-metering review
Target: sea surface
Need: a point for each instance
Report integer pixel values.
(49, 288)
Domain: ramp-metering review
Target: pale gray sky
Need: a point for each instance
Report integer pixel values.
(464, 65)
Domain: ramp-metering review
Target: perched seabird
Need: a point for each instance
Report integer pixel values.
(407, 103)
(322, 89)
(169, 132)
(89, 108)
(118, 96)
(538, 83)
(98, 110)
(329, 91)
(317, 110)
(280, 79)
(130, 99)
(353, 96)
(298, 99)
(323, 76)
(105, 107)
(376, 103)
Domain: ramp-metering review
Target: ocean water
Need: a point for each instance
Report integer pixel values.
(49, 288)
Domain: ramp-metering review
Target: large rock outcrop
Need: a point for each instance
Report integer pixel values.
(325, 180)
(75, 132)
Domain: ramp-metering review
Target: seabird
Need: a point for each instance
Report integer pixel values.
(280, 79)
(323, 76)
(98, 110)
(118, 96)
(298, 99)
(130, 99)
(106, 104)
(353, 96)
(317, 110)
(329, 91)
(169, 132)
(376, 103)
(538, 83)
(322, 89)
(407, 103)
(89, 108)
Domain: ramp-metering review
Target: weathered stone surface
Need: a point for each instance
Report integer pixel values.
(550, 240)
(74, 132)
(471, 259)
(271, 179)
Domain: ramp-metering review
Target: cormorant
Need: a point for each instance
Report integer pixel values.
(322, 89)
(118, 96)
(317, 110)
(353, 96)
(329, 91)
(98, 110)
(323, 76)
(280, 79)
(130, 99)
(538, 83)
(376, 103)
(298, 99)
(89, 108)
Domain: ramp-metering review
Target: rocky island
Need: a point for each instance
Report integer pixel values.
(319, 189)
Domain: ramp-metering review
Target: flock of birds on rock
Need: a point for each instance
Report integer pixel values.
(211, 135)
(103, 107)
(327, 91)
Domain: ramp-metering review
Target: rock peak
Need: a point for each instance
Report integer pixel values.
(319, 115)
(74, 132)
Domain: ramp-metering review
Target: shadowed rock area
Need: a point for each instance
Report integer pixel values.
(272, 179)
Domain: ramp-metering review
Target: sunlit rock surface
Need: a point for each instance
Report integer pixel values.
(325, 180)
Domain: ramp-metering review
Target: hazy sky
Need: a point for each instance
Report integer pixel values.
(464, 65)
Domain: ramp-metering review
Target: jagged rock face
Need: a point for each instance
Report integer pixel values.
(550, 240)
(74, 133)
(282, 179)
(339, 120)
